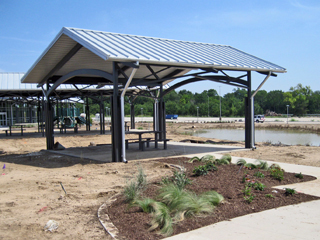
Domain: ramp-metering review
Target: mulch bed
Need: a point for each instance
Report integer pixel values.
(134, 224)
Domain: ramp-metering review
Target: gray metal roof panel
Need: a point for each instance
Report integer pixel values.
(132, 47)
(100, 47)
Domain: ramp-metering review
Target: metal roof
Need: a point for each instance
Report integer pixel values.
(100, 49)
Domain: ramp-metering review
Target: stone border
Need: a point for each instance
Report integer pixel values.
(105, 219)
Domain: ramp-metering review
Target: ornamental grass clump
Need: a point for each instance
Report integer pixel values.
(263, 165)
(226, 157)
(133, 190)
(161, 219)
(173, 203)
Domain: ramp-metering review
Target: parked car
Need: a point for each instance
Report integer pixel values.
(172, 116)
(259, 118)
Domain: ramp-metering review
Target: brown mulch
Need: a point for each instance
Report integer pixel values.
(134, 224)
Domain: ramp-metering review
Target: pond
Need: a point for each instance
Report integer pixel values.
(287, 136)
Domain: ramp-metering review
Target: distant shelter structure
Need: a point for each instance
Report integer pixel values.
(121, 61)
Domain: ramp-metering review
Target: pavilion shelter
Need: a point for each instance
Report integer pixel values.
(79, 56)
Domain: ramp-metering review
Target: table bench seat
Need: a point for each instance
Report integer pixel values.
(10, 129)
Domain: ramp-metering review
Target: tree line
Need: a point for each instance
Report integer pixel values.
(301, 100)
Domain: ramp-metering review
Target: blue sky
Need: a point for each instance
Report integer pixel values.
(285, 32)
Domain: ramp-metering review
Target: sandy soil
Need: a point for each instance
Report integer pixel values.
(31, 193)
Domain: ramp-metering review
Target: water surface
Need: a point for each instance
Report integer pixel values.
(286, 136)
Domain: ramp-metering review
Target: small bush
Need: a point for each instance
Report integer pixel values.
(299, 175)
(290, 191)
(247, 190)
(259, 175)
(210, 166)
(259, 186)
(269, 196)
(277, 173)
(200, 171)
(249, 199)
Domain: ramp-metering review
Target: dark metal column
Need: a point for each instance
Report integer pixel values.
(116, 116)
(248, 115)
(162, 118)
(132, 116)
(39, 113)
(87, 115)
(49, 124)
(102, 123)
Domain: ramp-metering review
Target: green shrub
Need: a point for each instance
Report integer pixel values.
(259, 175)
(259, 186)
(247, 190)
(249, 199)
(290, 191)
(210, 166)
(276, 173)
(200, 171)
(269, 196)
(299, 175)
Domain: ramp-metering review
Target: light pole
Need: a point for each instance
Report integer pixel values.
(197, 114)
(288, 113)
(220, 103)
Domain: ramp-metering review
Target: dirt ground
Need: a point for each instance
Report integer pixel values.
(32, 181)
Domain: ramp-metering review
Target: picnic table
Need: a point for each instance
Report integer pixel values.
(13, 127)
(142, 141)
